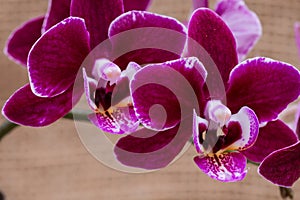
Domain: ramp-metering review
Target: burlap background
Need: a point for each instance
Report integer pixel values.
(51, 163)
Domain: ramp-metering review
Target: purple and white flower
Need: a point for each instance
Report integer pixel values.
(182, 93)
(219, 139)
(55, 58)
(108, 96)
(164, 96)
(263, 85)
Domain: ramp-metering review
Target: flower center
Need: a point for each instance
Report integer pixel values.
(219, 132)
(217, 112)
(103, 98)
(107, 70)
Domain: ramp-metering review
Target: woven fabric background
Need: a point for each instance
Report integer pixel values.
(51, 163)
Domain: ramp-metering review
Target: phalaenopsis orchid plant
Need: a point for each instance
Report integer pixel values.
(160, 84)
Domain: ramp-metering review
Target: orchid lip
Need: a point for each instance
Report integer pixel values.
(219, 146)
(238, 133)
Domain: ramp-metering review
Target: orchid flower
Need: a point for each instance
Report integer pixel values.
(234, 127)
(61, 50)
(250, 84)
(256, 91)
(113, 110)
(219, 146)
(163, 96)
(243, 23)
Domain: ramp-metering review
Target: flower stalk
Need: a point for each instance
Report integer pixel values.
(286, 193)
(6, 127)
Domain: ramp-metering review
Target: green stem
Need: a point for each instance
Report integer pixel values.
(253, 163)
(6, 127)
(79, 115)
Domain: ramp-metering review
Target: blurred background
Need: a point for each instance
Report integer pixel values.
(51, 163)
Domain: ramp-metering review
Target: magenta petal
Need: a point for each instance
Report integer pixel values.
(121, 120)
(136, 5)
(55, 58)
(229, 167)
(243, 23)
(297, 36)
(149, 149)
(265, 85)
(145, 37)
(250, 128)
(25, 108)
(57, 11)
(22, 39)
(97, 15)
(212, 34)
(275, 135)
(126, 118)
(282, 166)
(163, 94)
(105, 123)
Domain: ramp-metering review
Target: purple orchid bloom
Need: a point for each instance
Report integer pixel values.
(249, 93)
(113, 110)
(62, 49)
(243, 23)
(218, 134)
(109, 87)
(219, 145)
(250, 83)
(41, 111)
(163, 97)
